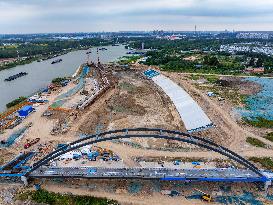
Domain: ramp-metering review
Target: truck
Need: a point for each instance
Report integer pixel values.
(92, 156)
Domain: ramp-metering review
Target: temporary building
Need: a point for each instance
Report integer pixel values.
(70, 155)
(24, 112)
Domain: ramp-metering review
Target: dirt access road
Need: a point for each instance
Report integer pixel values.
(234, 135)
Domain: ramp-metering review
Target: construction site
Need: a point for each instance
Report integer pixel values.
(100, 98)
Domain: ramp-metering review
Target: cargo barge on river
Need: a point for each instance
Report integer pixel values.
(14, 77)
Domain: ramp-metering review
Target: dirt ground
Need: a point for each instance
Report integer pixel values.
(228, 131)
(135, 102)
(137, 192)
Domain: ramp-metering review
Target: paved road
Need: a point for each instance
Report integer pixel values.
(225, 174)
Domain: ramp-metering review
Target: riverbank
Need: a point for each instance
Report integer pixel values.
(38, 58)
(17, 62)
(41, 73)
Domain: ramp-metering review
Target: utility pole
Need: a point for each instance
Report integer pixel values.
(195, 29)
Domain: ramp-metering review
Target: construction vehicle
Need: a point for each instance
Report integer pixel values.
(32, 142)
(9, 123)
(13, 109)
(205, 197)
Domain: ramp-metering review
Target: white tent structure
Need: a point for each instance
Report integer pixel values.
(190, 112)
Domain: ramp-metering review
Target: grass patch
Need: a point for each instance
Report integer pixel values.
(269, 136)
(266, 162)
(194, 77)
(243, 98)
(58, 80)
(128, 59)
(259, 122)
(16, 102)
(212, 78)
(126, 86)
(51, 198)
(255, 142)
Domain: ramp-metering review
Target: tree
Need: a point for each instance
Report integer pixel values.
(259, 63)
(251, 62)
(211, 61)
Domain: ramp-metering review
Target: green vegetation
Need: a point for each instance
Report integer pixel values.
(17, 62)
(259, 122)
(127, 86)
(128, 59)
(43, 196)
(266, 162)
(243, 99)
(58, 80)
(174, 56)
(175, 61)
(43, 49)
(47, 47)
(211, 61)
(255, 142)
(212, 78)
(16, 102)
(269, 136)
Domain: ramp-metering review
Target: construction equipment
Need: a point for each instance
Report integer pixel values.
(13, 109)
(32, 142)
(9, 123)
(206, 197)
(59, 109)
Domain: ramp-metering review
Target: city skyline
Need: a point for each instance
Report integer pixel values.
(47, 16)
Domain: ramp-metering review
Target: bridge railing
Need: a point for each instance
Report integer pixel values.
(141, 133)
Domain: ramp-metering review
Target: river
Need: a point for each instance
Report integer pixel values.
(40, 74)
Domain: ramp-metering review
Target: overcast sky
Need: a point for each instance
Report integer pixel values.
(38, 16)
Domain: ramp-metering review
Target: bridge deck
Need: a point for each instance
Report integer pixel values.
(149, 173)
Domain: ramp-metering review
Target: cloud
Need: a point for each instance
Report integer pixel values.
(28, 16)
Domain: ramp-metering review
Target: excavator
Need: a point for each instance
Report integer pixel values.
(205, 197)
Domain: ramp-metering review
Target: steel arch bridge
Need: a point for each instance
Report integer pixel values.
(146, 133)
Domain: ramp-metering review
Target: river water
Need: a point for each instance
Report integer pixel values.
(40, 74)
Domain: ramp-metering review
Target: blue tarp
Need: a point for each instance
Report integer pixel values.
(150, 73)
(24, 112)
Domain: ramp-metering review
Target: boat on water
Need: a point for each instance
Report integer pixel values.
(18, 75)
(88, 52)
(57, 61)
(102, 49)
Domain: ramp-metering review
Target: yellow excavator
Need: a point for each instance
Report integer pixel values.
(206, 197)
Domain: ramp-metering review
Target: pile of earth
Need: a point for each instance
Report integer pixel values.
(244, 86)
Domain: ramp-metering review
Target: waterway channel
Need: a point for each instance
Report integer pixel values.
(40, 74)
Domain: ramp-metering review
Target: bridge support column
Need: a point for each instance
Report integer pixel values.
(24, 180)
(266, 185)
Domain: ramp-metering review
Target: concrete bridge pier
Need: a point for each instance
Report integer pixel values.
(24, 180)
(266, 185)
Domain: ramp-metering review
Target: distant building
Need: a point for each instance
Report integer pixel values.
(198, 66)
(7, 60)
(174, 37)
(255, 70)
(252, 35)
(142, 46)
